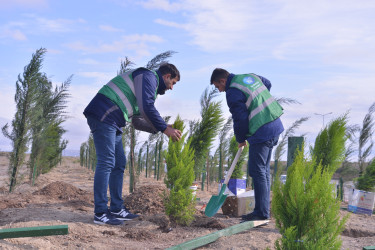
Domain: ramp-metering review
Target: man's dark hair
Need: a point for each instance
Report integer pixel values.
(218, 74)
(167, 68)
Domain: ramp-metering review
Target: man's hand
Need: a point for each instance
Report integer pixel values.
(242, 144)
(174, 133)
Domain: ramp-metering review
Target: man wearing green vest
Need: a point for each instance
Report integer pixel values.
(256, 119)
(128, 97)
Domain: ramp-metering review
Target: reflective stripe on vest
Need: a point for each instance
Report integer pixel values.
(123, 98)
(251, 94)
(130, 84)
(257, 110)
(259, 100)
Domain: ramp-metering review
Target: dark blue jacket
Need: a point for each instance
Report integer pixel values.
(100, 104)
(236, 101)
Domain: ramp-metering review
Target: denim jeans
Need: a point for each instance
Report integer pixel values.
(110, 165)
(259, 170)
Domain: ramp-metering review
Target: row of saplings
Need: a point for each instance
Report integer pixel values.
(305, 208)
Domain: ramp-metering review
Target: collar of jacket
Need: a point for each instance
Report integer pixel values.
(229, 79)
(161, 87)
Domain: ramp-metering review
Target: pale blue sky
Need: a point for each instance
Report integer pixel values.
(321, 53)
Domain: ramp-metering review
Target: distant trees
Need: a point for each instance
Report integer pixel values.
(38, 119)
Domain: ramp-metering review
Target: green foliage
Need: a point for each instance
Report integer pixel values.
(365, 142)
(26, 94)
(82, 154)
(233, 148)
(159, 59)
(180, 165)
(366, 182)
(305, 208)
(204, 132)
(51, 150)
(280, 149)
(222, 151)
(46, 130)
(179, 206)
(329, 148)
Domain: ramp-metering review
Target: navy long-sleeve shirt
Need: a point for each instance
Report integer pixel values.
(236, 101)
(106, 111)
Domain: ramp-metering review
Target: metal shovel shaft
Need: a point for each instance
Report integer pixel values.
(217, 201)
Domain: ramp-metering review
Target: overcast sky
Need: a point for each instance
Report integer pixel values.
(321, 53)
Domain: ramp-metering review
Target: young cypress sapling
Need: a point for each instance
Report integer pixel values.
(180, 205)
(306, 209)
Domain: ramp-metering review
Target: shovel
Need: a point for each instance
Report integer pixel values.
(217, 201)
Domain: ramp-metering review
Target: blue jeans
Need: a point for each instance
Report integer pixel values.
(110, 165)
(259, 170)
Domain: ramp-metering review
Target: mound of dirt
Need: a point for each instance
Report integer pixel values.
(357, 233)
(207, 222)
(146, 200)
(63, 191)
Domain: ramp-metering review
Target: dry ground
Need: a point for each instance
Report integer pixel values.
(64, 197)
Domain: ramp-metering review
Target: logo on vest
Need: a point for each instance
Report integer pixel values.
(248, 80)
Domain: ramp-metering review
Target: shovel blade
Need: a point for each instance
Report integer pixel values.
(216, 202)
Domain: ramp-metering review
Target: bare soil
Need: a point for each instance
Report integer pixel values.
(64, 197)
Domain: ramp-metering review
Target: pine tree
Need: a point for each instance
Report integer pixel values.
(25, 98)
(233, 148)
(305, 208)
(204, 131)
(365, 142)
(46, 130)
(223, 145)
(366, 182)
(329, 148)
(180, 203)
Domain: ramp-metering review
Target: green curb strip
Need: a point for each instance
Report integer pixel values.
(33, 231)
(204, 240)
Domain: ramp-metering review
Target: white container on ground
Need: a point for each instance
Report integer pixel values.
(361, 202)
(194, 188)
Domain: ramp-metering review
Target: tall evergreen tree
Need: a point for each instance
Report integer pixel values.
(329, 148)
(223, 146)
(233, 148)
(25, 98)
(49, 113)
(205, 130)
(180, 175)
(365, 142)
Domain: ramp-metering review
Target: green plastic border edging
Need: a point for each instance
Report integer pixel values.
(369, 248)
(33, 231)
(204, 240)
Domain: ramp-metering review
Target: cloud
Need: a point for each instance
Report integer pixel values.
(338, 32)
(13, 34)
(88, 61)
(109, 28)
(35, 4)
(56, 25)
(32, 25)
(163, 5)
(136, 43)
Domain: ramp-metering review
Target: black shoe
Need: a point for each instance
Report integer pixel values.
(252, 217)
(106, 219)
(124, 214)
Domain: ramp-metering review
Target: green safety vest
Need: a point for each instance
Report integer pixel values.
(120, 90)
(262, 107)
